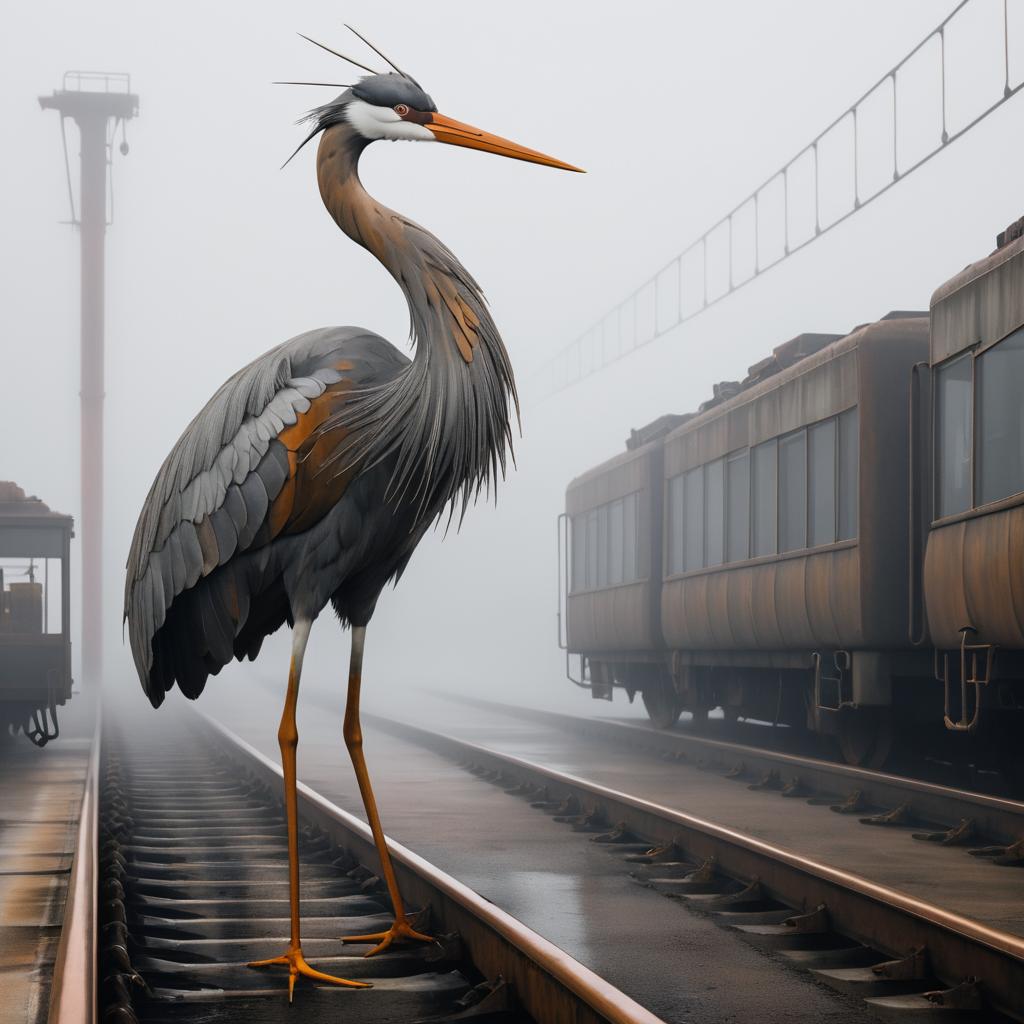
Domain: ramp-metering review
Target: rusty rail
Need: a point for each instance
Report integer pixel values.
(997, 818)
(550, 984)
(73, 991)
(875, 915)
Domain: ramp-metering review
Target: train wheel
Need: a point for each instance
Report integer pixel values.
(662, 705)
(865, 736)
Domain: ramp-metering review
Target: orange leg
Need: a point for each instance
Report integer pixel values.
(288, 738)
(401, 929)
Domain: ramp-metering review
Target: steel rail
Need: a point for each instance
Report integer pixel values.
(875, 915)
(550, 984)
(996, 817)
(73, 989)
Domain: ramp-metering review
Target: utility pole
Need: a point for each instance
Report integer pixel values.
(92, 100)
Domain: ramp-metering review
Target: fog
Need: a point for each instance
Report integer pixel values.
(215, 254)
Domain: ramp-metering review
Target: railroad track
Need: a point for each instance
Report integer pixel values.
(953, 815)
(186, 821)
(906, 957)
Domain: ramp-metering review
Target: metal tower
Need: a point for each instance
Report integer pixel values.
(92, 100)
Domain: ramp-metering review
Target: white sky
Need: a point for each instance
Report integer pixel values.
(676, 110)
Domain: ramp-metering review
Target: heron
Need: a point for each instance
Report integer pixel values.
(312, 474)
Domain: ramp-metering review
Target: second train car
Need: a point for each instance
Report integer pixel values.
(835, 543)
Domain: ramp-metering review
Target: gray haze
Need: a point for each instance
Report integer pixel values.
(676, 110)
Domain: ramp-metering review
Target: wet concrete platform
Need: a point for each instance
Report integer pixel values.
(579, 895)
(40, 800)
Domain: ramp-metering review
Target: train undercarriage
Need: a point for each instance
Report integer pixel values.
(866, 707)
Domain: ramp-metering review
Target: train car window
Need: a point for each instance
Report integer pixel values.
(616, 540)
(630, 518)
(675, 525)
(821, 509)
(737, 491)
(579, 552)
(849, 474)
(953, 436)
(793, 491)
(602, 546)
(605, 544)
(714, 512)
(693, 519)
(31, 596)
(592, 548)
(765, 482)
(1000, 454)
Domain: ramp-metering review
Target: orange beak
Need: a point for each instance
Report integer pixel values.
(455, 133)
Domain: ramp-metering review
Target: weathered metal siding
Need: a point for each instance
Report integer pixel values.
(888, 353)
(626, 473)
(827, 385)
(974, 563)
(623, 617)
(802, 603)
(974, 575)
(983, 303)
(612, 619)
(852, 594)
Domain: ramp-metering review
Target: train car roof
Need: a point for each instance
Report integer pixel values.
(786, 361)
(15, 505)
(631, 454)
(983, 303)
(831, 345)
(1009, 243)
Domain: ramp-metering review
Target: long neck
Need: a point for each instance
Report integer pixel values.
(447, 416)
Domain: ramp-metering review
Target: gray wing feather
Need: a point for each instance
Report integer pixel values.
(176, 559)
(283, 407)
(224, 530)
(192, 553)
(254, 494)
(273, 421)
(234, 505)
(273, 470)
(263, 430)
(218, 635)
(155, 609)
(162, 561)
(228, 443)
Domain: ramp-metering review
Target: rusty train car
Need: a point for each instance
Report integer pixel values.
(35, 629)
(835, 543)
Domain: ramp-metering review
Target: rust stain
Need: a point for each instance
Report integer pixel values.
(972, 576)
(317, 466)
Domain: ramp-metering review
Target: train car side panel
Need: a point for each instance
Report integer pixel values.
(605, 611)
(974, 576)
(835, 590)
(980, 305)
(974, 556)
(888, 351)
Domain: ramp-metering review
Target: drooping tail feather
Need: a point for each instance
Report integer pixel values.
(225, 615)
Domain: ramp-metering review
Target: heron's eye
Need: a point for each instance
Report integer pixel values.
(401, 109)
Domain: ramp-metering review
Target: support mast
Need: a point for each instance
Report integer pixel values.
(92, 100)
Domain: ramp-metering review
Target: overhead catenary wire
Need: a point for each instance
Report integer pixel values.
(620, 331)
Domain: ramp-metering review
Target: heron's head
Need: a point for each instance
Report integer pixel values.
(393, 106)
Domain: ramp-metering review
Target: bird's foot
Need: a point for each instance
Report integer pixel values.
(296, 964)
(400, 931)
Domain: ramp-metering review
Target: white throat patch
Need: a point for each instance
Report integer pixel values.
(383, 123)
